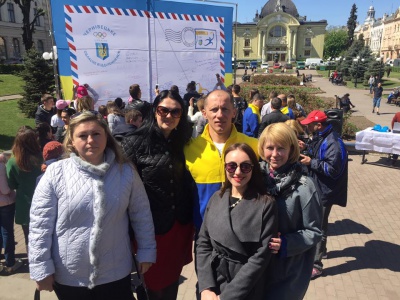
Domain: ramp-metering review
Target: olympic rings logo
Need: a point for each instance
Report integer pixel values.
(100, 35)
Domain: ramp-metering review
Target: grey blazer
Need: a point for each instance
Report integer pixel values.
(232, 251)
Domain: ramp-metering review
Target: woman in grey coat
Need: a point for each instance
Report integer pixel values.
(233, 249)
(299, 213)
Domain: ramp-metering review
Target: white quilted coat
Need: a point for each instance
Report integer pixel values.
(79, 222)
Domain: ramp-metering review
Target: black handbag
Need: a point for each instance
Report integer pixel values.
(37, 295)
(141, 291)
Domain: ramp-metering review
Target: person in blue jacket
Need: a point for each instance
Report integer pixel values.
(252, 117)
(327, 162)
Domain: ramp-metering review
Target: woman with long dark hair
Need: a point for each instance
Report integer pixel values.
(22, 170)
(233, 249)
(45, 134)
(156, 149)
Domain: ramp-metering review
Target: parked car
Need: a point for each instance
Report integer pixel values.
(253, 64)
(240, 65)
(288, 66)
(316, 61)
(313, 66)
(300, 65)
(264, 65)
(276, 66)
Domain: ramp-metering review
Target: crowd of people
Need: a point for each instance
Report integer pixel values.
(250, 182)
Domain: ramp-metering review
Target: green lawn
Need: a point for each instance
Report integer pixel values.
(10, 85)
(10, 120)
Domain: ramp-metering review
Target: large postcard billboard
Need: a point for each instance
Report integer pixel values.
(113, 44)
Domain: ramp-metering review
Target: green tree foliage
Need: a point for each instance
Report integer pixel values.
(335, 43)
(346, 65)
(376, 67)
(359, 69)
(352, 24)
(38, 78)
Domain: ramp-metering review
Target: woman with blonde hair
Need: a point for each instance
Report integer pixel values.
(79, 243)
(86, 103)
(299, 213)
(298, 129)
(22, 170)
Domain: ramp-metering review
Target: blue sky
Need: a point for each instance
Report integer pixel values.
(336, 12)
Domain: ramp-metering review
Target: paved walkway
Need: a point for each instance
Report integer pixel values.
(363, 245)
(10, 97)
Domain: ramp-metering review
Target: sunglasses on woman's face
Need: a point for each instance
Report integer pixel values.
(163, 112)
(244, 167)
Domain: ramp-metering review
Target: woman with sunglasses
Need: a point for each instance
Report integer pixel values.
(299, 211)
(78, 239)
(156, 149)
(233, 249)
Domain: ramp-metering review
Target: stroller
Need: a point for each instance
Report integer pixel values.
(338, 80)
(246, 78)
(344, 103)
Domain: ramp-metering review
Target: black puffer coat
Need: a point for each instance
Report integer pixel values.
(168, 183)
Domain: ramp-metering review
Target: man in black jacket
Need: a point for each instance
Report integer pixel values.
(274, 117)
(378, 90)
(328, 166)
(45, 111)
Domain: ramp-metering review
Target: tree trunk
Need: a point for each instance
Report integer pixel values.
(28, 26)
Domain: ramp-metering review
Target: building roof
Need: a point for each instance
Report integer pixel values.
(286, 6)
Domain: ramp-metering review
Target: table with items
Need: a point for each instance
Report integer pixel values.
(383, 142)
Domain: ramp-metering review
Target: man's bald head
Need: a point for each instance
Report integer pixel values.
(220, 94)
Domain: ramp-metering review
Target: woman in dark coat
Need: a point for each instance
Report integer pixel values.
(233, 248)
(156, 149)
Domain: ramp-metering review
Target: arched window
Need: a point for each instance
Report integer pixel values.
(3, 51)
(40, 47)
(277, 31)
(16, 49)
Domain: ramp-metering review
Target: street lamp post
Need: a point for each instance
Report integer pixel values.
(53, 56)
(357, 59)
(329, 66)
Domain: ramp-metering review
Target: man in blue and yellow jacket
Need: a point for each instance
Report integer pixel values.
(252, 117)
(204, 154)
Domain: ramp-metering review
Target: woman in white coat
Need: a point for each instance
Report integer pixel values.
(78, 239)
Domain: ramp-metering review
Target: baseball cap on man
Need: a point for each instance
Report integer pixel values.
(314, 116)
(61, 104)
(82, 91)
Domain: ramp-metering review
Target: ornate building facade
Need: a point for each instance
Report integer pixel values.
(382, 35)
(11, 46)
(279, 31)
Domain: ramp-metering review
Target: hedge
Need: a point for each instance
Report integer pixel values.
(11, 69)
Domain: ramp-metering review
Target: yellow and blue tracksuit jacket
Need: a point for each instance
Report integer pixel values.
(251, 120)
(207, 167)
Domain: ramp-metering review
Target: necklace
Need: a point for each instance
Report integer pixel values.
(236, 203)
